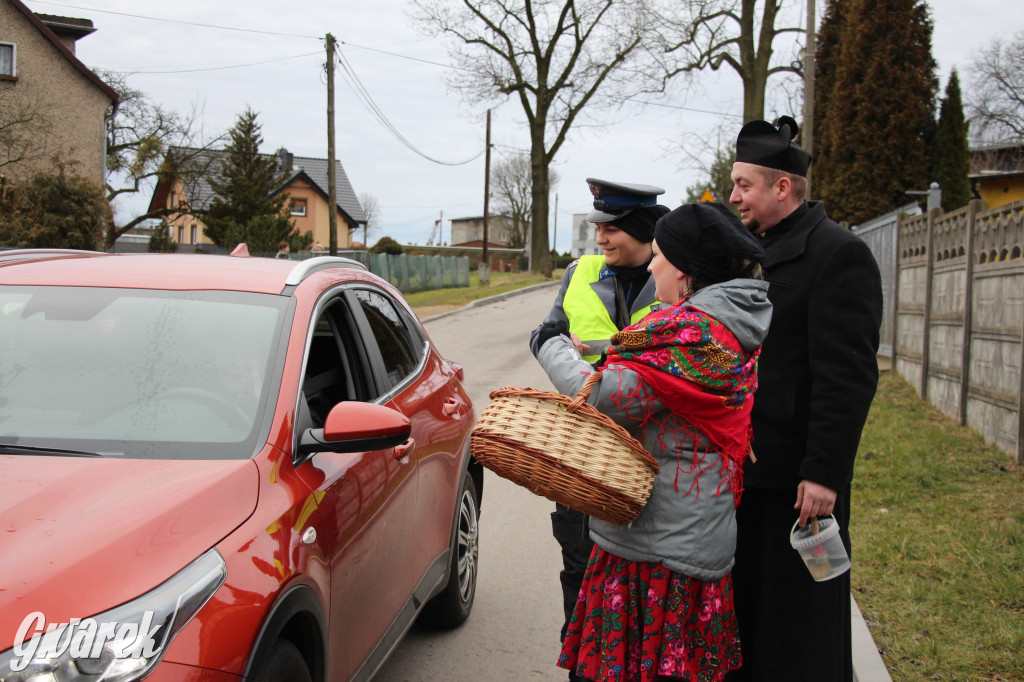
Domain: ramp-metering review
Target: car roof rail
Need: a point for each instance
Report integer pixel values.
(36, 254)
(307, 267)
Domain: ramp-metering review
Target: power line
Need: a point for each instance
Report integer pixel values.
(363, 95)
(229, 66)
(246, 30)
(676, 106)
(180, 21)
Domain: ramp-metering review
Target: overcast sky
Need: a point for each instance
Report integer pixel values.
(183, 55)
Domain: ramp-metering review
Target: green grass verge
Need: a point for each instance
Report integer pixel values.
(501, 282)
(938, 543)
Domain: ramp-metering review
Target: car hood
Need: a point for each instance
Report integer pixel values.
(82, 535)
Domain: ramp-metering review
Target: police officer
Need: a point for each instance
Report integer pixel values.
(601, 295)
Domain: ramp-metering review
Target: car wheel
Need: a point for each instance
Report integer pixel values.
(284, 664)
(451, 607)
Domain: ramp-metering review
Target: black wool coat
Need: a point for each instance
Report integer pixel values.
(818, 369)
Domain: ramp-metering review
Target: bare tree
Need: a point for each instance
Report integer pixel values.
(139, 139)
(554, 56)
(371, 209)
(996, 100)
(710, 33)
(23, 127)
(512, 188)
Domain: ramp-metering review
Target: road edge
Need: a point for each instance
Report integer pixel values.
(491, 299)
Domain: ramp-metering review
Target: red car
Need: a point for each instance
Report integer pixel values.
(219, 467)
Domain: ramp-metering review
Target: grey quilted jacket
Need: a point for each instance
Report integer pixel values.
(688, 526)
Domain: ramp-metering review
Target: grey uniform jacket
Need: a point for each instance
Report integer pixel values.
(689, 531)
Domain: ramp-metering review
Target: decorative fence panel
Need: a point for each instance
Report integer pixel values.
(959, 316)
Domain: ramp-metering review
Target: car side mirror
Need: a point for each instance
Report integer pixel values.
(353, 426)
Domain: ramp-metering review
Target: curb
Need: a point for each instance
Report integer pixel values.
(492, 299)
(867, 662)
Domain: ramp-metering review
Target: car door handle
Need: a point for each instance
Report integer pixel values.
(403, 451)
(451, 407)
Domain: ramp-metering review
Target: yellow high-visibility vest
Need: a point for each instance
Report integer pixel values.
(588, 318)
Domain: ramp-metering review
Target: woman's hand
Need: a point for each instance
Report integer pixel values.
(581, 347)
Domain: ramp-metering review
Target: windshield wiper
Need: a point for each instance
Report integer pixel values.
(9, 449)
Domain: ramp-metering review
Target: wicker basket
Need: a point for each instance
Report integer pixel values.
(562, 448)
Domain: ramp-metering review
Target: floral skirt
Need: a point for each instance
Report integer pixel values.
(636, 620)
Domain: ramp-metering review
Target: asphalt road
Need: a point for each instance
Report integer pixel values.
(512, 633)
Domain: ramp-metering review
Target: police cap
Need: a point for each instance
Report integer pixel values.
(613, 200)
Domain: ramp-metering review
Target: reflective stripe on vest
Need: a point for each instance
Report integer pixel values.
(588, 318)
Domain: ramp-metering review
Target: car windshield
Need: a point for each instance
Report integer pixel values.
(135, 373)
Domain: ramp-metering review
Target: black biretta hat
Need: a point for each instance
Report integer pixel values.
(772, 146)
(707, 241)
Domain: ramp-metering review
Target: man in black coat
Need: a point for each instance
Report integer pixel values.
(816, 378)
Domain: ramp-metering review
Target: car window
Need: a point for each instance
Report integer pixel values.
(336, 368)
(136, 373)
(401, 346)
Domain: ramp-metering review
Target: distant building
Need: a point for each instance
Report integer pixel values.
(997, 173)
(50, 102)
(584, 235)
(305, 183)
(470, 231)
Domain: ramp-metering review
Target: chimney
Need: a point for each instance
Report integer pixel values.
(285, 158)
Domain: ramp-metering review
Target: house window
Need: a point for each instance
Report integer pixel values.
(194, 235)
(298, 207)
(181, 234)
(7, 64)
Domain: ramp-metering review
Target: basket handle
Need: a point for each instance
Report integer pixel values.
(584, 392)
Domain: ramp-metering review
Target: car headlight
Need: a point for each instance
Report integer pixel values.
(119, 645)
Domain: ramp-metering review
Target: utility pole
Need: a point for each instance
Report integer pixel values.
(332, 185)
(483, 270)
(554, 228)
(807, 132)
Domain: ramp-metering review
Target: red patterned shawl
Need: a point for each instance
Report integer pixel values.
(697, 369)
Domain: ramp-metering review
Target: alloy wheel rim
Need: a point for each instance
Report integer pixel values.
(469, 548)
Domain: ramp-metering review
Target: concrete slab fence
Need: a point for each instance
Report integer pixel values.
(955, 304)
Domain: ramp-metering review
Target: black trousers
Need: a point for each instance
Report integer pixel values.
(791, 628)
(570, 530)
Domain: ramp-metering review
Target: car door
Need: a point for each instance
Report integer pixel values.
(365, 499)
(422, 386)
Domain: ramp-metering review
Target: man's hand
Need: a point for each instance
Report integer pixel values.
(814, 499)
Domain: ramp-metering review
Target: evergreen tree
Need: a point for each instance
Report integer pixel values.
(160, 241)
(719, 179)
(952, 156)
(825, 53)
(244, 207)
(877, 108)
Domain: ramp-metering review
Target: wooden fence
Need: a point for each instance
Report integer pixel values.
(959, 316)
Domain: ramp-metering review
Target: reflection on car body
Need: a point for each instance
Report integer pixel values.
(280, 473)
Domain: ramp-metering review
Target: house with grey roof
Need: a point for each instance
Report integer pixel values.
(305, 183)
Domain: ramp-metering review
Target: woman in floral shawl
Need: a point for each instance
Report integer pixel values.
(657, 597)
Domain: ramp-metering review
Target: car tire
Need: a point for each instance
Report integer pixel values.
(451, 607)
(284, 664)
